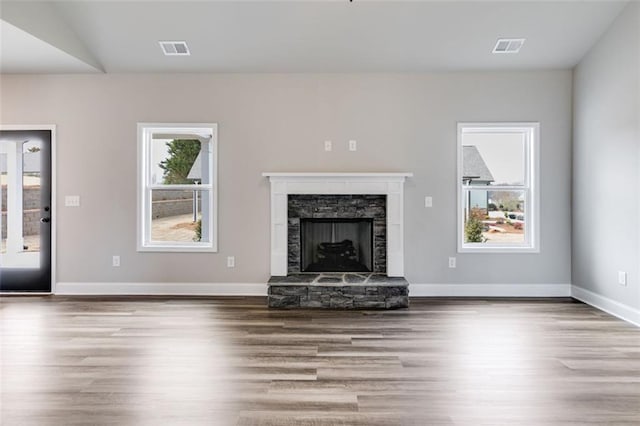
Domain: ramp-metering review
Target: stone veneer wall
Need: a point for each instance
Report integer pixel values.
(338, 207)
(171, 203)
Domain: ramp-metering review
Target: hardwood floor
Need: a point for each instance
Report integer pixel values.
(232, 361)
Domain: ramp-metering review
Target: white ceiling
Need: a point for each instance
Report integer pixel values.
(301, 36)
(21, 52)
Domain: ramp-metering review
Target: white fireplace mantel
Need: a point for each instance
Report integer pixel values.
(389, 184)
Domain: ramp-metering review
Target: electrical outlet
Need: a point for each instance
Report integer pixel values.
(428, 201)
(115, 261)
(622, 278)
(452, 262)
(231, 262)
(328, 145)
(353, 145)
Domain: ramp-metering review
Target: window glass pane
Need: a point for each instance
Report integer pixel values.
(31, 197)
(179, 161)
(4, 180)
(180, 216)
(493, 158)
(20, 185)
(494, 216)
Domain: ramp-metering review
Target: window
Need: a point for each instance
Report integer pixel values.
(177, 187)
(498, 196)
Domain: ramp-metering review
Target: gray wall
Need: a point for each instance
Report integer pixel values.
(275, 122)
(606, 163)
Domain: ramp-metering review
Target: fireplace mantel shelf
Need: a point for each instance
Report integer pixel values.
(336, 174)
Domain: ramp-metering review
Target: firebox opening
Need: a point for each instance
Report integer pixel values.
(336, 245)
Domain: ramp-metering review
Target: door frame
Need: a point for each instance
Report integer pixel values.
(54, 209)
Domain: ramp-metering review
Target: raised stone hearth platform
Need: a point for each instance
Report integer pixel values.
(339, 291)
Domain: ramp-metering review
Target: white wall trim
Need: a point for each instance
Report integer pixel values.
(490, 290)
(260, 289)
(531, 132)
(160, 289)
(607, 305)
(207, 134)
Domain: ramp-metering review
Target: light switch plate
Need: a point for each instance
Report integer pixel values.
(353, 145)
(72, 201)
(622, 278)
(428, 201)
(327, 145)
(231, 262)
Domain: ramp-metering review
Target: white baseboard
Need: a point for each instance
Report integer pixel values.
(610, 306)
(260, 289)
(490, 290)
(161, 289)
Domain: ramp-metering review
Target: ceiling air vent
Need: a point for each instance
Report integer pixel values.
(174, 48)
(508, 45)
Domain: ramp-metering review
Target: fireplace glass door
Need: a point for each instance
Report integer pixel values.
(336, 245)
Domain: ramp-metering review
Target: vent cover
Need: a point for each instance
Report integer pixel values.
(508, 45)
(175, 48)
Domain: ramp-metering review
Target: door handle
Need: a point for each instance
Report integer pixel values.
(45, 219)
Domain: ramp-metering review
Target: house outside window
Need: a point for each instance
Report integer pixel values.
(177, 187)
(498, 195)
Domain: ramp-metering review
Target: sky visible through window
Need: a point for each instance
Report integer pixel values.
(159, 152)
(503, 153)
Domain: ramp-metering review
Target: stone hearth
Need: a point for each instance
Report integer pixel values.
(338, 291)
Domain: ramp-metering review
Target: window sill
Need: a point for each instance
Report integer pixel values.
(177, 249)
(499, 250)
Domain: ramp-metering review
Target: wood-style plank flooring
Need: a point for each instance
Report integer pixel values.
(232, 361)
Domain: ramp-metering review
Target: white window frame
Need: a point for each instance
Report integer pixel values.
(145, 186)
(531, 188)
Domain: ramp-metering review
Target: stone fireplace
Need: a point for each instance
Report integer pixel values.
(337, 240)
(336, 233)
